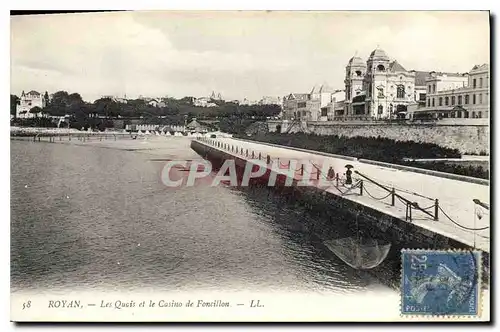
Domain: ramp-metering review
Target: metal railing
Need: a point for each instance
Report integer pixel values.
(336, 181)
(433, 210)
(409, 204)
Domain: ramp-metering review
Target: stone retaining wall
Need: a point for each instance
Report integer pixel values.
(467, 138)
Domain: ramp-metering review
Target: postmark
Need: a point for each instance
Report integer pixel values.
(440, 282)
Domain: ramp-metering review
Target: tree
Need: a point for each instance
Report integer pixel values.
(14, 100)
(35, 110)
(46, 97)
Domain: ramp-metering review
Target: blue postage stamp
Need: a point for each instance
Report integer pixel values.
(438, 282)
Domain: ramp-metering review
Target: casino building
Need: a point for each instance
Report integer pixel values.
(380, 88)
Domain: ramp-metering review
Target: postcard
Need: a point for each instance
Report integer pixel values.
(250, 166)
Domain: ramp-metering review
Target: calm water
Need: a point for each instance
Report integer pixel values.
(88, 217)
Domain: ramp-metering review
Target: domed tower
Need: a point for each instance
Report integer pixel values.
(376, 82)
(355, 72)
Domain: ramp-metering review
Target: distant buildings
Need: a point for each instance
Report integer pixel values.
(116, 99)
(457, 95)
(157, 103)
(269, 100)
(28, 101)
(248, 102)
(196, 126)
(381, 88)
(318, 105)
(216, 96)
(208, 101)
(203, 102)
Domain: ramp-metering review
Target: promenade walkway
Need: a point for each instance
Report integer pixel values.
(459, 218)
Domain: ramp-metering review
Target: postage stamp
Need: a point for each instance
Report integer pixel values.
(440, 283)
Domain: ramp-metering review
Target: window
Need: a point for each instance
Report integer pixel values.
(473, 114)
(400, 91)
(452, 100)
(358, 72)
(466, 100)
(480, 98)
(380, 109)
(474, 83)
(380, 68)
(421, 96)
(433, 102)
(481, 82)
(459, 100)
(479, 114)
(474, 99)
(381, 93)
(429, 102)
(429, 90)
(301, 105)
(434, 88)
(446, 101)
(440, 101)
(324, 111)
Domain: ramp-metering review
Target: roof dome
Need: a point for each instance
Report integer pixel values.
(378, 54)
(356, 61)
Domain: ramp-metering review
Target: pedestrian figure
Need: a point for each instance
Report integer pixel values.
(331, 173)
(348, 173)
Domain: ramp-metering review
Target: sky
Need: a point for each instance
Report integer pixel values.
(239, 54)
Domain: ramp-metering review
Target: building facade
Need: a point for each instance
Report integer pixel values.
(203, 102)
(318, 105)
(380, 88)
(270, 100)
(27, 101)
(458, 95)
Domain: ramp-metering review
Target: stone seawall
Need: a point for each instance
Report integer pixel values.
(467, 138)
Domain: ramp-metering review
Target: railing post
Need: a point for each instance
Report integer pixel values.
(393, 196)
(361, 187)
(337, 179)
(253, 155)
(289, 164)
(260, 156)
(268, 159)
(302, 169)
(246, 153)
(436, 210)
(317, 173)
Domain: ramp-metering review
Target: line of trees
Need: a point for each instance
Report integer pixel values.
(175, 112)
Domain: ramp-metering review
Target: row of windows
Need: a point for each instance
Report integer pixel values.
(457, 101)
(400, 92)
(432, 88)
(474, 83)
